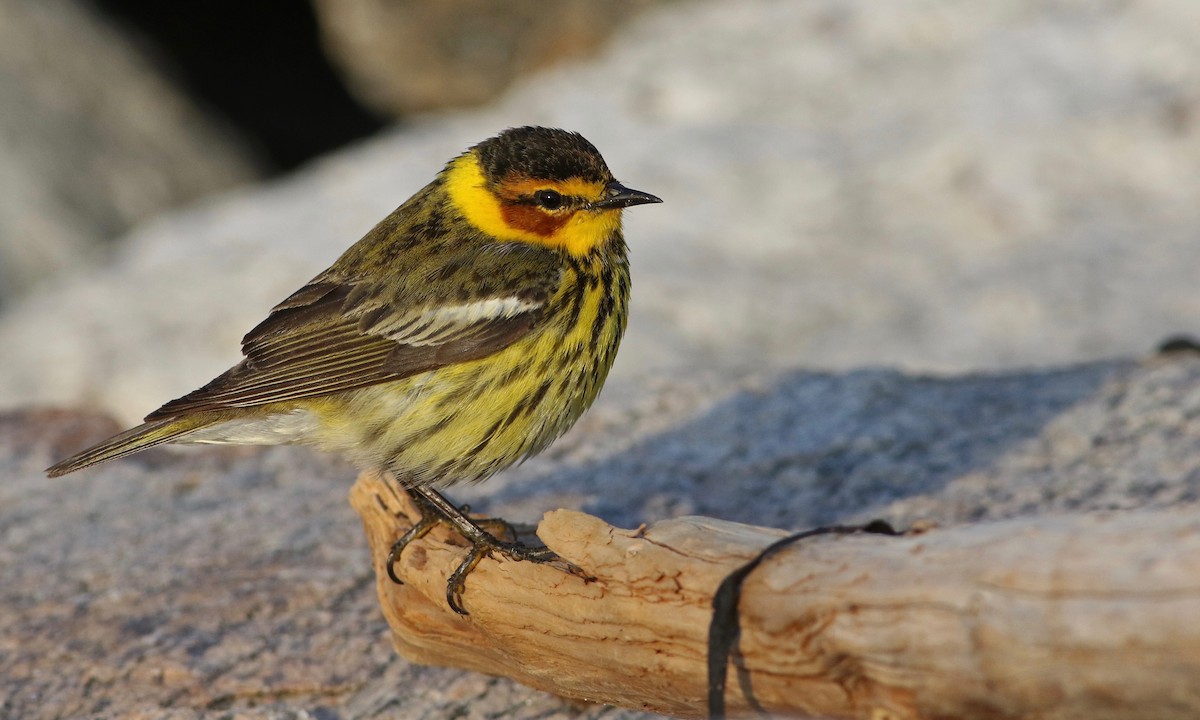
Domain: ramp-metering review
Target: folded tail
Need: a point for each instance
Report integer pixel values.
(143, 436)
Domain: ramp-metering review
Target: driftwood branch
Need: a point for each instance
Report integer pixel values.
(1055, 617)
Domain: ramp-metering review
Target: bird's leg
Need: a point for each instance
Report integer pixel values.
(503, 528)
(435, 508)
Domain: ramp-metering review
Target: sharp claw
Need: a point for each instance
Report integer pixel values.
(393, 556)
(454, 598)
(457, 583)
(573, 569)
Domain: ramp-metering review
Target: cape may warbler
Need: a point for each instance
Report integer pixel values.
(465, 332)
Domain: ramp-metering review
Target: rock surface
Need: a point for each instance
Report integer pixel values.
(236, 583)
(408, 57)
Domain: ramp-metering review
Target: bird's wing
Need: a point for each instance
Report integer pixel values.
(335, 335)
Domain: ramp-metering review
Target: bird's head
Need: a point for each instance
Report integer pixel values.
(540, 185)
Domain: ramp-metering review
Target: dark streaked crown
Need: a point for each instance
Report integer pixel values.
(541, 153)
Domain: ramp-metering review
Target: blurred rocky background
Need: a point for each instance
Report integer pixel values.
(934, 185)
(116, 111)
(93, 139)
(405, 56)
(881, 190)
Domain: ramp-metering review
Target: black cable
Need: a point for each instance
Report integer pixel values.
(725, 627)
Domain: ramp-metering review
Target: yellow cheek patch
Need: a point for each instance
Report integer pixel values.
(577, 232)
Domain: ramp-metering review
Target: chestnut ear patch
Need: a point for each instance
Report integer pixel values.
(531, 218)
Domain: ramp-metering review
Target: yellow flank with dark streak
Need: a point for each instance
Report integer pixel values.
(467, 421)
(465, 332)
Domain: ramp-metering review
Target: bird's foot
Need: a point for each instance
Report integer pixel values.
(488, 546)
(437, 510)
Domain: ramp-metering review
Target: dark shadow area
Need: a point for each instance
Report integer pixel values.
(812, 449)
(259, 65)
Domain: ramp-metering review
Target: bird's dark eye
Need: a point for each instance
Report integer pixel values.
(548, 199)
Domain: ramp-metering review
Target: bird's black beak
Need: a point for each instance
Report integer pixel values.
(619, 196)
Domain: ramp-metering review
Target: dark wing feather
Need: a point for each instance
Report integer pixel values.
(331, 336)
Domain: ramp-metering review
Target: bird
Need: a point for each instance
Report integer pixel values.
(464, 333)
